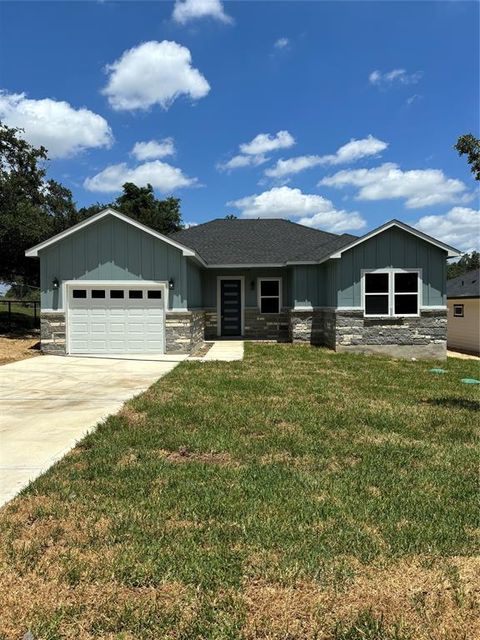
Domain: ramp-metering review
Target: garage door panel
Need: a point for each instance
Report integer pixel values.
(116, 325)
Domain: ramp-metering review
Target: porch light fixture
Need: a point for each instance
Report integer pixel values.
(252, 285)
(55, 283)
(171, 284)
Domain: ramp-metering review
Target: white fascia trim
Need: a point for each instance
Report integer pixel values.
(33, 252)
(451, 251)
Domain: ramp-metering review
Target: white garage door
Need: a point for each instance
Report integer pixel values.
(116, 319)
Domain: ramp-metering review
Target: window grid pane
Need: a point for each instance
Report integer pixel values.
(376, 305)
(406, 304)
(406, 282)
(376, 283)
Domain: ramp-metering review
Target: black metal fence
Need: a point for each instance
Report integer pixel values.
(19, 314)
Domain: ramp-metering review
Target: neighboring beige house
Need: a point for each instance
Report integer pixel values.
(463, 298)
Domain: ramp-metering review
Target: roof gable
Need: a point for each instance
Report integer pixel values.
(33, 251)
(451, 251)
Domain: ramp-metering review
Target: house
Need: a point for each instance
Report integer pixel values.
(110, 285)
(463, 299)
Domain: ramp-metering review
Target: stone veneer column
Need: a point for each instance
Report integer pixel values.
(184, 331)
(52, 333)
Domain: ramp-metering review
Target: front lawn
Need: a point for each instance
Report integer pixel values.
(298, 494)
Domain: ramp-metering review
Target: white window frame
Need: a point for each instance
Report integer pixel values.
(391, 293)
(259, 294)
(462, 310)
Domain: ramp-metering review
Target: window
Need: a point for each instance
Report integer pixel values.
(116, 294)
(392, 293)
(98, 293)
(269, 295)
(154, 294)
(135, 294)
(79, 293)
(458, 310)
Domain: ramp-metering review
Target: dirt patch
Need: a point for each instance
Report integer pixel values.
(14, 348)
(133, 417)
(202, 350)
(439, 602)
(182, 456)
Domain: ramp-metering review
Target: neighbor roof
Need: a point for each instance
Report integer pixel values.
(259, 242)
(464, 286)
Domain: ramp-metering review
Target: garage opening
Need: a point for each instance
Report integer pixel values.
(116, 319)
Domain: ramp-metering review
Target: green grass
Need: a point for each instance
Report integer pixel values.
(22, 315)
(297, 494)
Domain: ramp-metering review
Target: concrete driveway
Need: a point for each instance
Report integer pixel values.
(49, 403)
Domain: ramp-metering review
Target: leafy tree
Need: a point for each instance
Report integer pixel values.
(470, 146)
(31, 208)
(231, 216)
(141, 204)
(468, 262)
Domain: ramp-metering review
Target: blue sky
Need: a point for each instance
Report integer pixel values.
(291, 81)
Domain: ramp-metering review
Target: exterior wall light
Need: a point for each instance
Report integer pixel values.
(55, 284)
(252, 285)
(171, 284)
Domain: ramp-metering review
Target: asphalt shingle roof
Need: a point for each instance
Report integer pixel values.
(464, 286)
(264, 241)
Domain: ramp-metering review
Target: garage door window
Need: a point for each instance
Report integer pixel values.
(154, 294)
(98, 293)
(79, 293)
(135, 294)
(116, 294)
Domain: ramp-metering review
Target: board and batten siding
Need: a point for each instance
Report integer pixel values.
(111, 249)
(464, 333)
(315, 285)
(394, 248)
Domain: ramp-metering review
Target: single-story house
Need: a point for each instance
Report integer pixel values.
(463, 299)
(110, 285)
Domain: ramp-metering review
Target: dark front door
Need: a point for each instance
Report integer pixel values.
(230, 307)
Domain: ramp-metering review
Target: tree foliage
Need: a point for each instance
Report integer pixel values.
(470, 146)
(468, 262)
(33, 208)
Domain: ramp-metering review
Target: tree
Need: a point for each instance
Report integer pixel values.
(470, 146)
(468, 262)
(230, 216)
(141, 204)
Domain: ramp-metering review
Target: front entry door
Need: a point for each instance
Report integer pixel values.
(231, 307)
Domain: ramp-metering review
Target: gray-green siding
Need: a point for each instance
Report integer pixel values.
(111, 250)
(397, 249)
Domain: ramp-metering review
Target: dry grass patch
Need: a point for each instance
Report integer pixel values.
(440, 602)
(184, 456)
(13, 349)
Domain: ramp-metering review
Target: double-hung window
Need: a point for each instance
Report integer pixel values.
(270, 295)
(392, 292)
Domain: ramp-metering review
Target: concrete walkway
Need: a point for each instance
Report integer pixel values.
(49, 403)
(223, 350)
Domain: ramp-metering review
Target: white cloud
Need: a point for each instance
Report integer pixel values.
(240, 161)
(350, 152)
(187, 10)
(459, 227)
(309, 209)
(61, 129)
(153, 73)
(253, 152)
(264, 142)
(420, 188)
(281, 43)
(399, 76)
(160, 175)
(154, 149)
(413, 99)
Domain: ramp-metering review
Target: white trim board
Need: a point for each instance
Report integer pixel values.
(33, 251)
